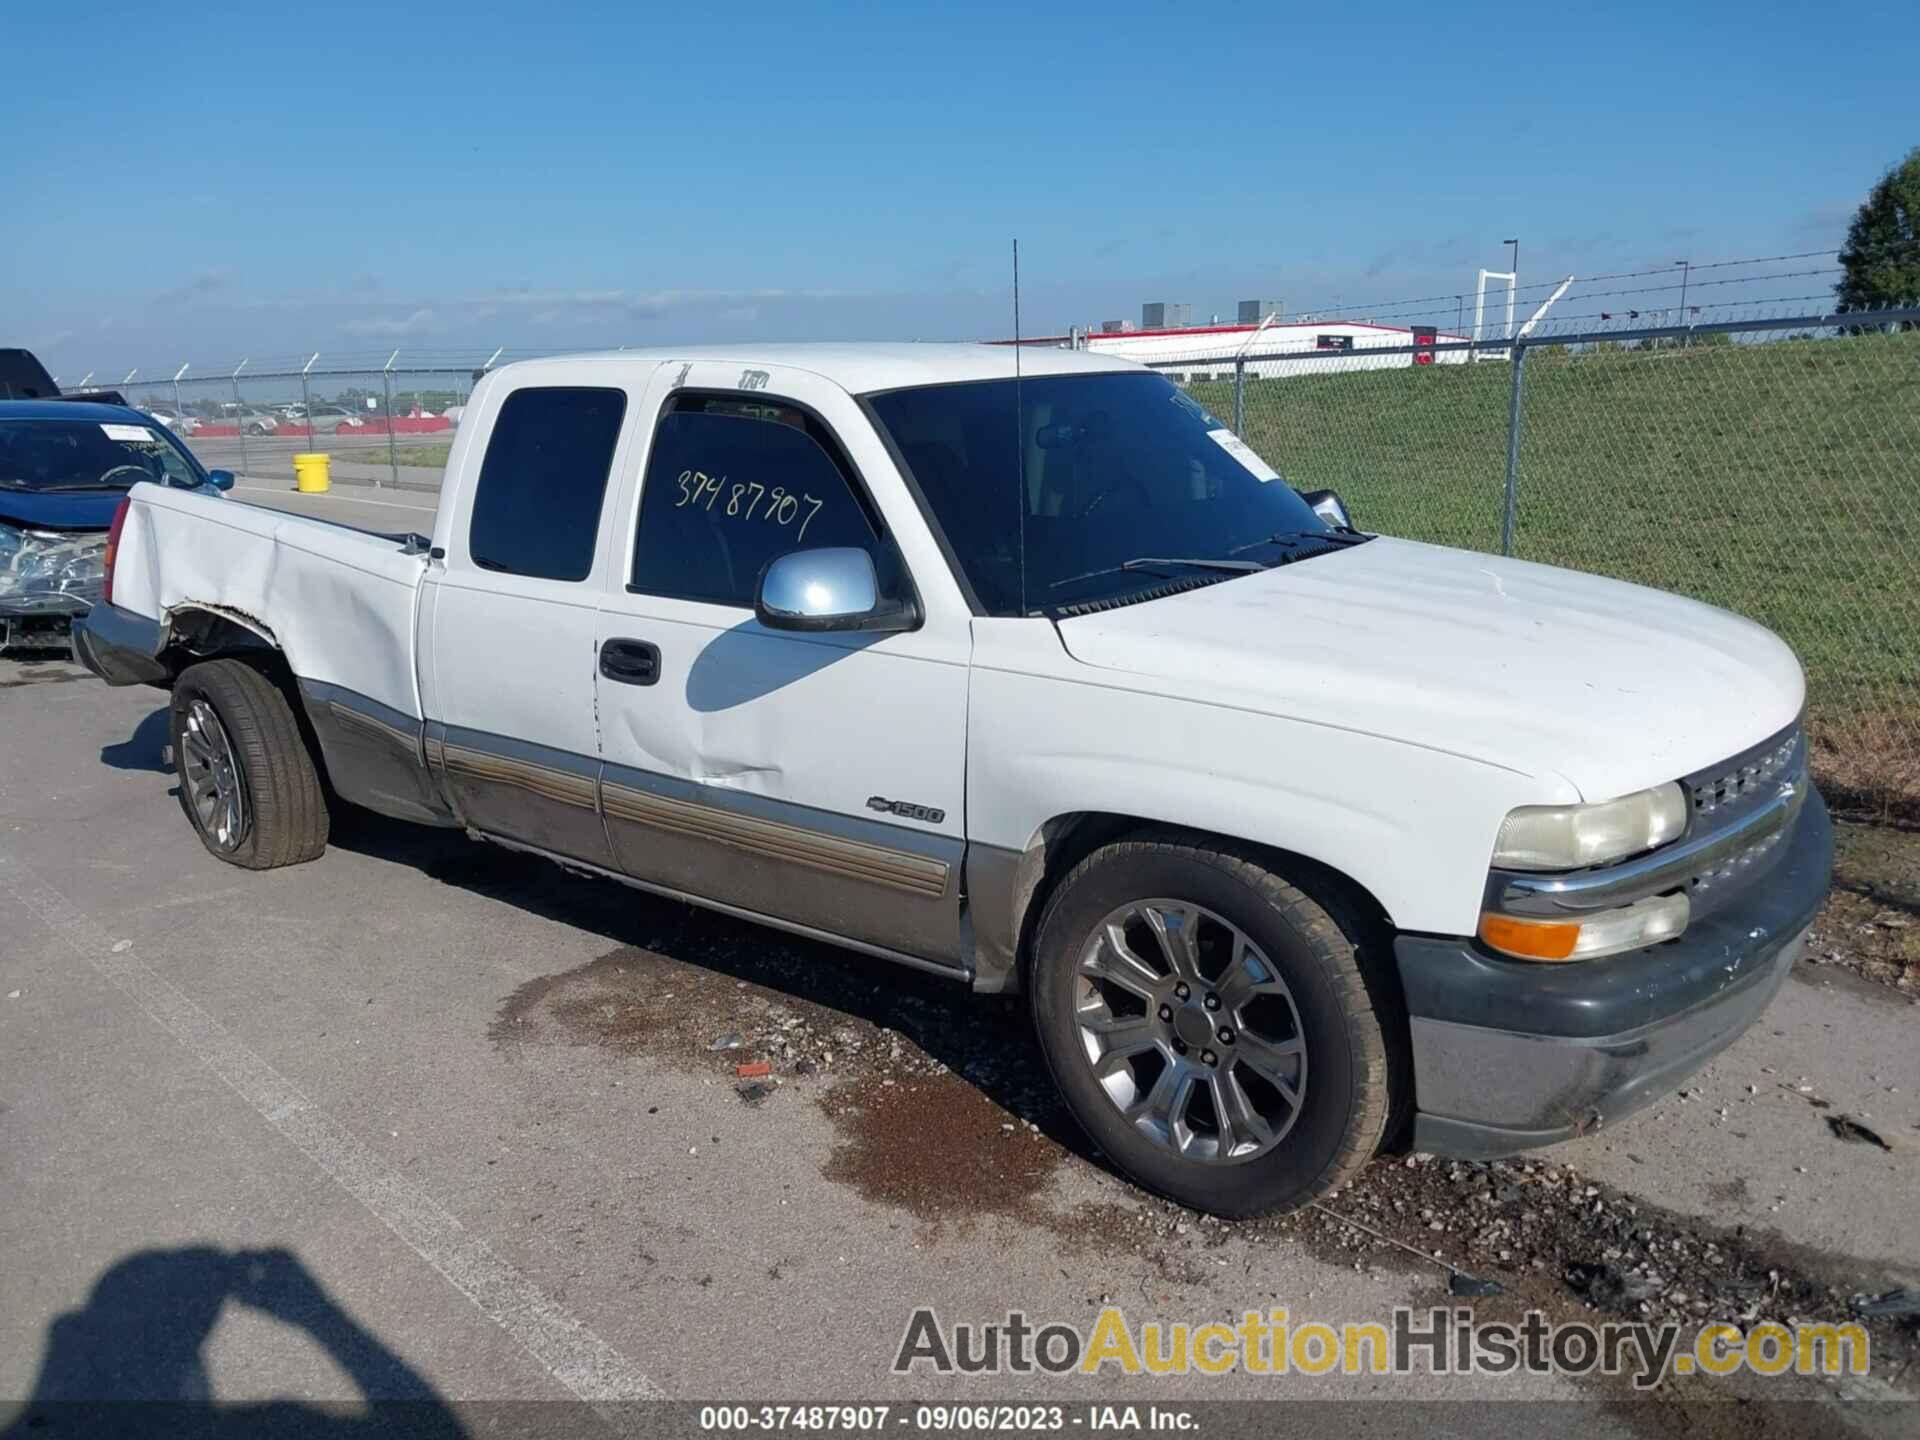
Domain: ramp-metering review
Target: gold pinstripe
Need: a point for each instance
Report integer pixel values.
(854, 859)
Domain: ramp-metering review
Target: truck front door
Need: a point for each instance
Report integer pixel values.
(815, 779)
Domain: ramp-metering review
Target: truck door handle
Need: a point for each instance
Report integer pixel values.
(631, 662)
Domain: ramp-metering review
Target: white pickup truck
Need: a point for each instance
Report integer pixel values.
(1302, 841)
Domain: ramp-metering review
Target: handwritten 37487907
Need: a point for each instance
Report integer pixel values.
(742, 500)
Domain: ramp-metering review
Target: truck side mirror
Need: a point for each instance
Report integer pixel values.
(827, 589)
(1328, 505)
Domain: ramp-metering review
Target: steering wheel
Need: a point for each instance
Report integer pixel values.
(143, 471)
(1100, 496)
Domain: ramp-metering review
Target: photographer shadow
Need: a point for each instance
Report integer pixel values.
(131, 1361)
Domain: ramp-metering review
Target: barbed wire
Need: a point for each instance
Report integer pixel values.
(1442, 308)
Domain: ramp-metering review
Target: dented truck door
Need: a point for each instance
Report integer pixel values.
(507, 625)
(815, 779)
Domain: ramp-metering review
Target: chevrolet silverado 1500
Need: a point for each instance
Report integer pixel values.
(1300, 840)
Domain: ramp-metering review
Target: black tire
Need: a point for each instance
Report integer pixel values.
(285, 820)
(1355, 1086)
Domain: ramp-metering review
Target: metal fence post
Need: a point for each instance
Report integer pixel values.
(306, 399)
(177, 410)
(240, 418)
(1511, 516)
(1240, 398)
(386, 384)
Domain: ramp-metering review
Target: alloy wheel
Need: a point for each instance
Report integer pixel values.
(1190, 1031)
(212, 776)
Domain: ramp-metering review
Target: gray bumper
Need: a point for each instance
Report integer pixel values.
(122, 648)
(1509, 1055)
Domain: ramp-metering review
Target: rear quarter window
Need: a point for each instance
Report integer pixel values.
(536, 507)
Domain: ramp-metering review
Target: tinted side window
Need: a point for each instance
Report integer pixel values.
(730, 485)
(536, 509)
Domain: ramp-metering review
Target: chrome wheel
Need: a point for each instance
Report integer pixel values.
(212, 776)
(1190, 1031)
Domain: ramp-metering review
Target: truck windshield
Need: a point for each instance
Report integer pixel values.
(90, 455)
(1120, 469)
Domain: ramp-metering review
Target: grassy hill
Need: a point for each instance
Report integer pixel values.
(1781, 481)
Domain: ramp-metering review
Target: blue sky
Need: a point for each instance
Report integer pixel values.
(205, 182)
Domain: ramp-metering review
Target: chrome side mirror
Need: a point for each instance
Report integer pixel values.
(1328, 505)
(827, 589)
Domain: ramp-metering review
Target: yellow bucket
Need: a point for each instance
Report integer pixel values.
(310, 472)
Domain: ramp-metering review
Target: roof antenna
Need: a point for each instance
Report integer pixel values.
(1019, 428)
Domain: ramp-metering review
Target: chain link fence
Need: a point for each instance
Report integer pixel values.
(1771, 466)
(1768, 466)
(387, 425)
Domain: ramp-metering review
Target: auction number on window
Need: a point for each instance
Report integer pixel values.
(747, 500)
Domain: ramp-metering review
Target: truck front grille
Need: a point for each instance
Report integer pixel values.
(1725, 795)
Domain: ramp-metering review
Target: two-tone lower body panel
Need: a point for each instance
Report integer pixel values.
(840, 874)
(885, 887)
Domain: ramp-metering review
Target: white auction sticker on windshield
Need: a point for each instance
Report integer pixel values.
(1243, 452)
(127, 432)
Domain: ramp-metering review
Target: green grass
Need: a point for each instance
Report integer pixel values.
(1781, 481)
(371, 452)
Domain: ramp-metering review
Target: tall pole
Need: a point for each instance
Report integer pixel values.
(1510, 513)
(1513, 282)
(386, 383)
(306, 397)
(240, 418)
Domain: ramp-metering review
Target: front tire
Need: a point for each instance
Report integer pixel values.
(1217, 1031)
(247, 782)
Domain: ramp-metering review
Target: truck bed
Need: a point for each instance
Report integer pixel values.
(338, 601)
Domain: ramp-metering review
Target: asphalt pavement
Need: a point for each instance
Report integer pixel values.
(424, 1116)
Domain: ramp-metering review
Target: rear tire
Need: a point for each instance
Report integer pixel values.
(247, 781)
(1247, 1066)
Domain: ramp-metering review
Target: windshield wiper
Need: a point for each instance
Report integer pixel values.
(1341, 536)
(1154, 562)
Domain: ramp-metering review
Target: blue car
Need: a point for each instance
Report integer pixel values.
(64, 468)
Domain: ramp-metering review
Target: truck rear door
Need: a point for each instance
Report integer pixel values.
(507, 625)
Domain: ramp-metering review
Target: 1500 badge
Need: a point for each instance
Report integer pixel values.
(905, 809)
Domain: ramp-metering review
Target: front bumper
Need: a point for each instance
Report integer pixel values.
(39, 630)
(1508, 1055)
(122, 648)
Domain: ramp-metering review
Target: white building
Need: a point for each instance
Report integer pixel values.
(1311, 347)
(1323, 347)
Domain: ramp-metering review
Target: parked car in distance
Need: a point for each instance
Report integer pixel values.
(259, 422)
(329, 419)
(179, 424)
(65, 466)
(1301, 841)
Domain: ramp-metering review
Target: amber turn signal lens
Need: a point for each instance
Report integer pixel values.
(1530, 939)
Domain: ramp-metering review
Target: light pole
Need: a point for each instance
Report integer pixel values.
(1514, 263)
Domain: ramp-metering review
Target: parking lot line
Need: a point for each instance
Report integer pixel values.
(572, 1353)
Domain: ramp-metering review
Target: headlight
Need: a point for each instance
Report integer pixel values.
(1570, 837)
(47, 571)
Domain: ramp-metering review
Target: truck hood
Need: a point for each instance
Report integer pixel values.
(1547, 672)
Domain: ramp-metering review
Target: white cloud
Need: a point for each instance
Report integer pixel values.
(389, 326)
